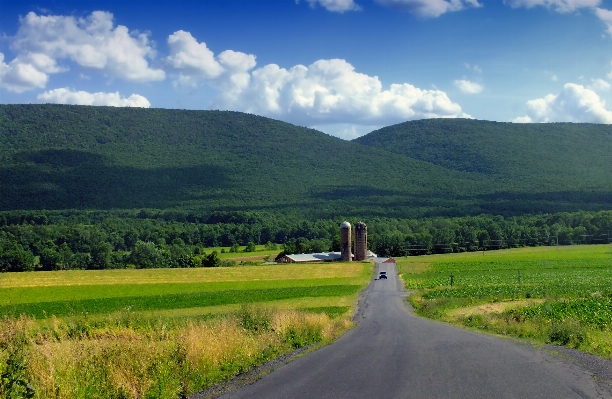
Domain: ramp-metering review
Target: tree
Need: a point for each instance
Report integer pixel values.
(101, 256)
(16, 259)
(211, 260)
(50, 259)
(148, 255)
(250, 247)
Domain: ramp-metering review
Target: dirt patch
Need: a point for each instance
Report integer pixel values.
(496, 307)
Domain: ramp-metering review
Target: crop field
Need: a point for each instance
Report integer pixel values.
(69, 293)
(558, 295)
(163, 333)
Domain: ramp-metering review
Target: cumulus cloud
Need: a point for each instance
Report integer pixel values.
(67, 96)
(606, 17)
(330, 91)
(468, 87)
(335, 5)
(325, 92)
(92, 42)
(194, 58)
(599, 85)
(428, 8)
(575, 103)
(194, 62)
(561, 6)
(26, 72)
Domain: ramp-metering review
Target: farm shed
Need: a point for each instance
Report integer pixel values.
(317, 257)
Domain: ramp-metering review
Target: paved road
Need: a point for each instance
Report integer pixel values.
(394, 354)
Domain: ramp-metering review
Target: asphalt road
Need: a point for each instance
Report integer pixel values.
(393, 354)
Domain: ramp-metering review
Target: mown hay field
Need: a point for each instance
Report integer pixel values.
(560, 295)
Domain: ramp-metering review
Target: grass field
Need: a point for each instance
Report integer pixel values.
(163, 333)
(259, 255)
(553, 294)
(69, 293)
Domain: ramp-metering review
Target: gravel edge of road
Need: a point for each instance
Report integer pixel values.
(599, 367)
(258, 372)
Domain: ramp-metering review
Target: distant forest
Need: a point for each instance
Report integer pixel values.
(102, 187)
(144, 239)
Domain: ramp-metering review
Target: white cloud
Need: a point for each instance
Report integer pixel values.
(346, 131)
(599, 85)
(335, 5)
(606, 17)
(330, 91)
(91, 42)
(325, 92)
(67, 96)
(474, 68)
(561, 6)
(191, 57)
(429, 8)
(195, 63)
(554, 78)
(575, 103)
(26, 72)
(468, 87)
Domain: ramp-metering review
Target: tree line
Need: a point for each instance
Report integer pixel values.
(63, 240)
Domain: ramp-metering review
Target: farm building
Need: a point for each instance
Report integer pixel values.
(318, 257)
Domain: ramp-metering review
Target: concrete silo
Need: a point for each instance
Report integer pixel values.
(361, 241)
(345, 242)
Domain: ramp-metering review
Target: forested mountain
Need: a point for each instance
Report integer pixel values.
(78, 157)
(101, 187)
(570, 155)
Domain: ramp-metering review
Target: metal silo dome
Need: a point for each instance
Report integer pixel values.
(345, 225)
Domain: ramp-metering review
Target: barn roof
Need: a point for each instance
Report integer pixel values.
(318, 257)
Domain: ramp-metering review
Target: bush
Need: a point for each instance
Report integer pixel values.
(211, 260)
(566, 333)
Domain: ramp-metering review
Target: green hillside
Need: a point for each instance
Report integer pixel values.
(554, 154)
(77, 157)
(561, 165)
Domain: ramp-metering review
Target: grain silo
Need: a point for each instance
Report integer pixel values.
(361, 241)
(345, 242)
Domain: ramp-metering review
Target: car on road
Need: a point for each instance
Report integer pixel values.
(382, 276)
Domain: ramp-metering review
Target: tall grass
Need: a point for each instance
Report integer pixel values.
(123, 359)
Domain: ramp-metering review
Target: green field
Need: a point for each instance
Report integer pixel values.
(73, 293)
(555, 294)
(163, 333)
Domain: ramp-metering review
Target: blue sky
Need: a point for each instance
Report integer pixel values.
(345, 67)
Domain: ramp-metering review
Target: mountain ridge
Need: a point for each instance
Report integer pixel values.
(79, 157)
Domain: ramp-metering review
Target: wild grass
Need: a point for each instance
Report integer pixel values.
(155, 360)
(163, 333)
(559, 295)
